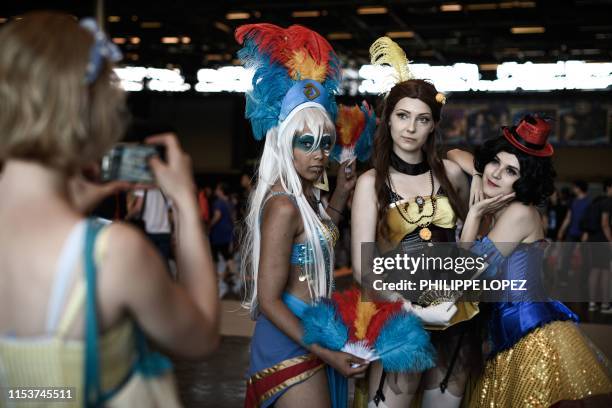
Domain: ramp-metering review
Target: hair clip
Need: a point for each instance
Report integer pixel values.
(101, 49)
(441, 98)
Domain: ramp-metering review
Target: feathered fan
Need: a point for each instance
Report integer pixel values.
(369, 330)
(355, 127)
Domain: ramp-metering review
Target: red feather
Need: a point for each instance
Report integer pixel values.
(280, 44)
(301, 38)
(346, 304)
(385, 311)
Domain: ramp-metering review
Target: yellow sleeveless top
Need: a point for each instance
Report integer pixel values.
(444, 217)
(398, 212)
(55, 361)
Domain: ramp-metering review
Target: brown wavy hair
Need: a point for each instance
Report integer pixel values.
(48, 113)
(383, 146)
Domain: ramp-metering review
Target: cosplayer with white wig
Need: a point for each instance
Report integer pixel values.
(276, 165)
(287, 247)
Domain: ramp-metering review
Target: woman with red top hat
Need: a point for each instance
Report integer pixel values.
(537, 355)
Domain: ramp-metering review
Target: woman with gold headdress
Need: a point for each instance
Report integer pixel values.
(413, 196)
(287, 249)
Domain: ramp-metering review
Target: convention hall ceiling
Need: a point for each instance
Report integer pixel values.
(192, 34)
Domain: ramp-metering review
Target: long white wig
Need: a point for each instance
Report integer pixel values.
(276, 165)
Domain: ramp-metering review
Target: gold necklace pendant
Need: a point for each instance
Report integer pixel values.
(425, 234)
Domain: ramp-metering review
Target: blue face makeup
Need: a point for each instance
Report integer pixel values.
(306, 142)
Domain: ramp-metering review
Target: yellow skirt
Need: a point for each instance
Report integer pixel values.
(553, 363)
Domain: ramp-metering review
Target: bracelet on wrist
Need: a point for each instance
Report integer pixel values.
(476, 174)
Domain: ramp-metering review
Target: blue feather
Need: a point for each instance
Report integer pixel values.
(323, 326)
(403, 345)
(363, 148)
(270, 84)
(335, 153)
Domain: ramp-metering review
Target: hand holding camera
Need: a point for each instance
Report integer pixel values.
(174, 176)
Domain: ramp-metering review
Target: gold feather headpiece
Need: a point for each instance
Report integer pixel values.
(386, 51)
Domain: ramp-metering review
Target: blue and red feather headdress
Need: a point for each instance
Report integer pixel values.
(292, 66)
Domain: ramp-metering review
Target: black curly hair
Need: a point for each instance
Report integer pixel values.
(536, 182)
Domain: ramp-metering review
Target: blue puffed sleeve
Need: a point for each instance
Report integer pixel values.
(487, 249)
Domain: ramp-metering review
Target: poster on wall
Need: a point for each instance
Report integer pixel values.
(453, 125)
(583, 123)
(485, 121)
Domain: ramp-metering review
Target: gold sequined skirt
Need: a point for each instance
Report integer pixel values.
(553, 363)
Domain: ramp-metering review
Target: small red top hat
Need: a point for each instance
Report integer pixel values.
(530, 136)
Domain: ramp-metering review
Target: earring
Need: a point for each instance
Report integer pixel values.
(323, 182)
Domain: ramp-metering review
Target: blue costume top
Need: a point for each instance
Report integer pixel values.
(518, 316)
(301, 253)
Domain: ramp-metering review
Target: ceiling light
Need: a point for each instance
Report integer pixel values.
(134, 18)
(119, 40)
(400, 34)
(135, 40)
(517, 4)
(488, 67)
(306, 13)
(150, 24)
(534, 53)
(481, 6)
(170, 40)
(222, 26)
(527, 30)
(372, 10)
(185, 40)
(451, 7)
(114, 19)
(339, 36)
(238, 16)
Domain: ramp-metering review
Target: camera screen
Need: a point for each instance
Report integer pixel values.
(129, 163)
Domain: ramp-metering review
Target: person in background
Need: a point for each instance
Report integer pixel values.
(61, 111)
(204, 205)
(596, 223)
(155, 210)
(222, 236)
(554, 215)
(570, 230)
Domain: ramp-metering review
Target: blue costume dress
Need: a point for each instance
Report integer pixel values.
(276, 361)
(538, 355)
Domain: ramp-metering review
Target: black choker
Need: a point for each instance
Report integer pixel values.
(407, 168)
